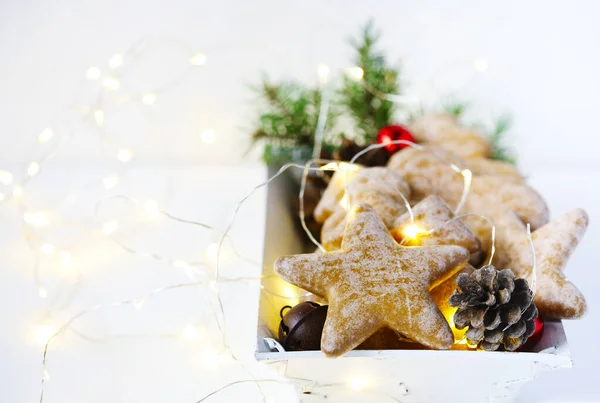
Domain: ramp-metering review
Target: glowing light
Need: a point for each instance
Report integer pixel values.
(149, 98)
(111, 83)
(355, 73)
(110, 182)
(323, 72)
(93, 73)
(412, 231)
(33, 169)
(46, 374)
(212, 251)
(35, 219)
(43, 333)
(99, 117)
(211, 358)
(199, 59)
(46, 135)
(344, 202)
(191, 333)
(124, 155)
(208, 136)
(151, 208)
(42, 292)
(115, 61)
(480, 65)
(357, 383)
(65, 258)
(17, 191)
(48, 249)
(340, 166)
(110, 227)
(6, 177)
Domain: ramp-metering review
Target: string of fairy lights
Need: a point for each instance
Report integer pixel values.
(202, 275)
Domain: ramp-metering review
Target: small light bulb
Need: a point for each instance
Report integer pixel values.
(111, 83)
(212, 251)
(43, 333)
(344, 202)
(110, 182)
(124, 155)
(357, 383)
(191, 333)
(480, 65)
(46, 374)
(46, 135)
(151, 208)
(412, 231)
(323, 72)
(208, 136)
(110, 227)
(17, 191)
(35, 219)
(93, 73)
(6, 177)
(33, 169)
(340, 166)
(149, 98)
(355, 73)
(211, 358)
(99, 117)
(199, 59)
(42, 292)
(48, 249)
(65, 258)
(115, 61)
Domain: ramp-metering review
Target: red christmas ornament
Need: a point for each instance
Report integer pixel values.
(536, 336)
(392, 133)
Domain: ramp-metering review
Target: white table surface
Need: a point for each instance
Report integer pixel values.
(138, 355)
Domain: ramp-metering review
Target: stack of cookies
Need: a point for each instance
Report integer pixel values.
(395, 247)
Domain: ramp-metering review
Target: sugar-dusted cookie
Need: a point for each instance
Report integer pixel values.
(554, 243)
(333, 194)
(379, 187)
(373, 282)
(427, 175)
(444, 130)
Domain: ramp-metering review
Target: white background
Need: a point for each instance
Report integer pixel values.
(543, 68)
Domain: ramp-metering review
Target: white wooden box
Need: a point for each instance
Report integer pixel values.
(387, 375)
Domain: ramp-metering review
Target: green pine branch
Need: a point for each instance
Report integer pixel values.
(287, 126)
(499, 151)
(368, 112)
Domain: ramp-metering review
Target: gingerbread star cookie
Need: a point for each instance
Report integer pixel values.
(554, 243)
(373, 282)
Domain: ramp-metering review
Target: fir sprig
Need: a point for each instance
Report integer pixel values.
(368, 112)
(289, 122)
(499, 150)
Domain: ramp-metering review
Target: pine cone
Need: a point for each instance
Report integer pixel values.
(497, 308)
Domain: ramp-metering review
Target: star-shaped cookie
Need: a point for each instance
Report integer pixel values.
(373, 282)
(554, 243)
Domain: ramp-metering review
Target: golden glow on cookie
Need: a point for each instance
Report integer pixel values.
(340, 166)
(344, 202)
(412, 231)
